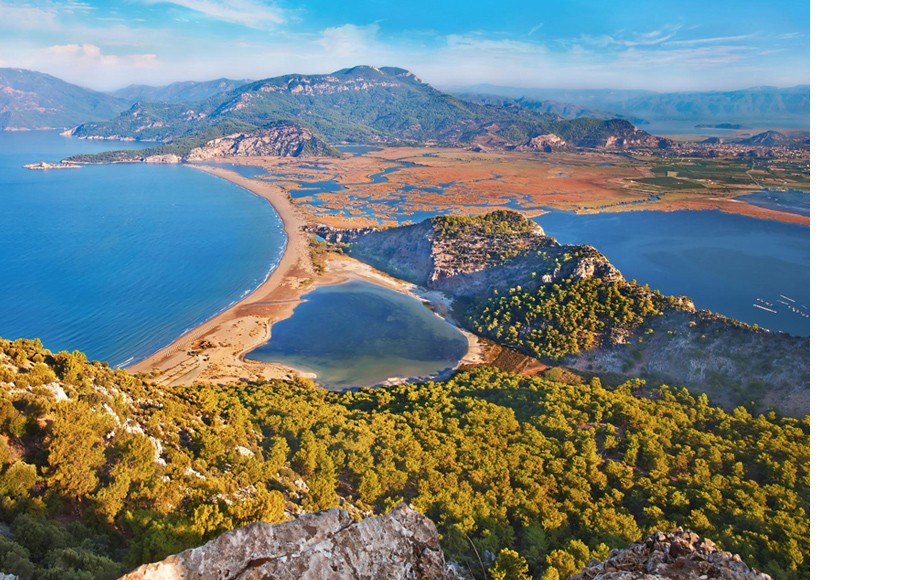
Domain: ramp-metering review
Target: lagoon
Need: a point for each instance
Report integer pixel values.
(358, 334)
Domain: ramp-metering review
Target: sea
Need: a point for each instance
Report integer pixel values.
(754, 270)
(117, 261)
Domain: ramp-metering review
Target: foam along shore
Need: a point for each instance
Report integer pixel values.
(214, 351)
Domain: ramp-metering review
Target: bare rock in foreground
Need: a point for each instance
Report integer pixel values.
(677, 556)
(323, 545)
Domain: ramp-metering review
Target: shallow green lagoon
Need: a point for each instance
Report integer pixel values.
(358, 334)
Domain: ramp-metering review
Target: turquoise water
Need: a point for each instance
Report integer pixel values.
(725, 263)
(358, 335)
(119, 260)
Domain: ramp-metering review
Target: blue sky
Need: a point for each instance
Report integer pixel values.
(649, 44)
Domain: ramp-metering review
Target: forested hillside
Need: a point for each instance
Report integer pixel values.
(362, 104)
(101, 470)
(570, 306)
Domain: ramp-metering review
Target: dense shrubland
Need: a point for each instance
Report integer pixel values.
(566, 317)
(101, 470)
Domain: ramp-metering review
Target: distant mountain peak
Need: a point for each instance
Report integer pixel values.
(768, 139)
(36, 100)
(181, 91)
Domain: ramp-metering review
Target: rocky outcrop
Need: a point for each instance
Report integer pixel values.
(281, 140)
(162, 159)
(677, 556)
(768, 139)
(546, 143)
(335, 235)
(323, 545)
(471, 257)
(591, 133)
(45, 165)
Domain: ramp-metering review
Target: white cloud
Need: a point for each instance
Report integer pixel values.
(475, 43)
(349, 40)
(25, 17)
(699, 57)
(650, 38)
(78, 63)
(92, 54)
(81, 53)
(535, 29)
(695, 41)
(251, 13)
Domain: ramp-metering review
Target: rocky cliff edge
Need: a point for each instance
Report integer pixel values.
(322, 545)
(678, 556)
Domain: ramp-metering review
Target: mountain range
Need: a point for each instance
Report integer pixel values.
(33, 100)
(388, 106)
(361, 104)
(765, 104)
(365, 104)
(178, 92)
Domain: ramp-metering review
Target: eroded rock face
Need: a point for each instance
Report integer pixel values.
(547, 143)
(165, 159)
(323, 545)
(677, 556)
(281, 140)
(471, 260)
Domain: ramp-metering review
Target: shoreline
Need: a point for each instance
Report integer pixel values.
(340, 269)
(215, 350)
(225, 338)
(358, 174)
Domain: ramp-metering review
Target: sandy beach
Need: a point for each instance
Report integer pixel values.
(213, 352)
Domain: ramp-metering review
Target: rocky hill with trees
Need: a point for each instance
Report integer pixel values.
(569, 306)
(364, 104)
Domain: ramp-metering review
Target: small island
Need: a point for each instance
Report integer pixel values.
(46, 165)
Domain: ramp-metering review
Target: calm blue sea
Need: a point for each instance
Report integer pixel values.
(119, 260)
(724, 262)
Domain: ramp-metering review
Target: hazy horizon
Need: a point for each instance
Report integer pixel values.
(442, 87)
(657, 45)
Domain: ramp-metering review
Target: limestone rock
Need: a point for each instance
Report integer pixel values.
(166, 159)
(279, 140)
(547, 143)
(335, 235)
(323, 545)
(678, 556)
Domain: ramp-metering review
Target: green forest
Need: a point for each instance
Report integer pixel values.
(101, 471)
(565, 317)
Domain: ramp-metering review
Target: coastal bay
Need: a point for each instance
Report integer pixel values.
(215, 351)
(118, 260)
